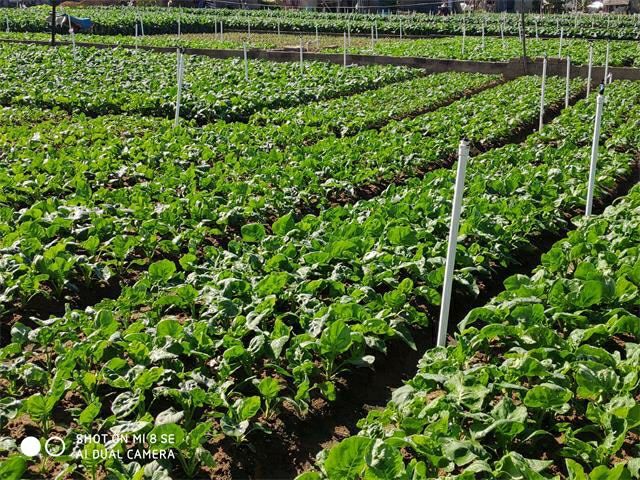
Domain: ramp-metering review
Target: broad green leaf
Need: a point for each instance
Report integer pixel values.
(166, 436)
(547, 396)
(347, 460)
(12, 468)
(335, 339)
(162, 270)
(252, 232)
(283, 225)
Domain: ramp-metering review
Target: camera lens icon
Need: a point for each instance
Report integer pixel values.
(54, 446)
(30, 446)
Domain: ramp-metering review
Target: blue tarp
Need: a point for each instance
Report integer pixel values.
(80, 23)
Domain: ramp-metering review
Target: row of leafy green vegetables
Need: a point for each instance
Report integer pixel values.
(221, 339)
(301, 125)
(622, 52)
(136, 191)
(99, 82)
(121, 21)
(540, 383)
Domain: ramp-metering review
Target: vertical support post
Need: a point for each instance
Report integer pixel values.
(606, 62)
(567, 83)
(594, 152)
(401, 29)
(537, 36)
(215, 28)
(373, 41)
(483, 37)
(53, 22)
(344, 51)
(246, 62)
(179, 28)
(141, 27)
(73, 39)
(136, 37)
(464, 36)
(560, 45)
(544, 80)
(221, 31)
(180, 77)
(249, 30)
(301, 56)
(589, 69)
(443, 323)
(523, 38)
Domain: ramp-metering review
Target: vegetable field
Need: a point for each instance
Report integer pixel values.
(622, 53)
(194, 278)
(122, 20)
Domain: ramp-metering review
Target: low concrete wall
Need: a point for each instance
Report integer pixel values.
(556, 66)
(511, 69)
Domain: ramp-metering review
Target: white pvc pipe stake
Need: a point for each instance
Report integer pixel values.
(400, 29)
(73, 40)
(376, 28)
(560, 45)
(221, 31)
(483, 36)
(589, 70)
(502, 34)
(179, 29)
(179, 95)
(373, 40)
(567, 83)
(606, 62)
(301, 56)
(344, 51)
(594, 152)
(349, 34)
(464, 36)
(248, 29)
(136, 37)
(544, 80)
(537, 37)
(246, 62)
(141, 27)
(443, 323)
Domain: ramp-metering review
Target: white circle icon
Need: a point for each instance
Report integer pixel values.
(51, 448)
(30, 446)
